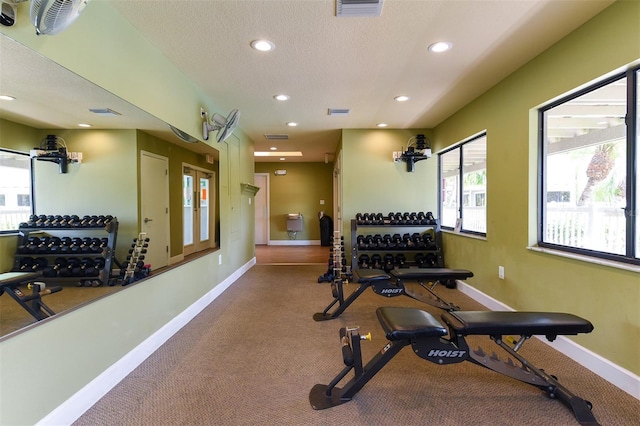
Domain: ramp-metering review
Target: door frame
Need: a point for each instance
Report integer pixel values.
(268, 212)
(211, 242)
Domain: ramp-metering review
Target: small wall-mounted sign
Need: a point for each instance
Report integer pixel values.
(280, 172)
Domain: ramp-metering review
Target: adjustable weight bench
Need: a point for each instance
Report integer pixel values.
(426, 335)
(32, 303)
(409, 282)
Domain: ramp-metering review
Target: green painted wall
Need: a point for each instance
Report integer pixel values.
(609, 297)
(299, 191)
(372, 182)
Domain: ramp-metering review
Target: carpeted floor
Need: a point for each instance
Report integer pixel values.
(252, 356)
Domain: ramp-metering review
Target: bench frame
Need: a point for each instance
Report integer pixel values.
(433, 346)
(32, 303)
(402, 282)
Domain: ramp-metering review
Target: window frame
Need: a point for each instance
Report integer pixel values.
(632, 170)
(31, 185)
(461, 188)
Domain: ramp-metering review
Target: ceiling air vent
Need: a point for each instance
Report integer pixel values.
(340, 112)
(276, 137)
(358, 8)
(106, 112)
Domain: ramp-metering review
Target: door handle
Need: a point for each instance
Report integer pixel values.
(146, 219)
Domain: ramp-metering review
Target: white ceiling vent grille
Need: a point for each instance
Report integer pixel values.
(338, 112)
(105, 112)
(276, 137)
(358, 8)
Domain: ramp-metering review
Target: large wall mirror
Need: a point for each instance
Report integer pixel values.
(123, 152)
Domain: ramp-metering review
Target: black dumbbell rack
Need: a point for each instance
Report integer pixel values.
(68, 243)
(419, 235)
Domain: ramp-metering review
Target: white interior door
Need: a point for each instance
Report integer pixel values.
(154, 207)
(261, 203)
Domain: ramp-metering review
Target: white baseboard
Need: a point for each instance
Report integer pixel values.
(294, 242)
(70, 410)
(618, 376)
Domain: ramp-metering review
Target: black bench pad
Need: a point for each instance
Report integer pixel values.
(431, 274)
(515, 323)
(408, 323)
(369, 275)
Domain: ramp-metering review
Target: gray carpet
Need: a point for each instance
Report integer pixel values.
(252, 356)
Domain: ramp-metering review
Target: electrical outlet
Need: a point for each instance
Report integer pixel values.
(501, 272)
(219, 259)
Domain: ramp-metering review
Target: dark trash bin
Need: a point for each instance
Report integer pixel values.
(326, 229)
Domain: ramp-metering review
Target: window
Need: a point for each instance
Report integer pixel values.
(588, 190)
(15, 187)
(463, 185)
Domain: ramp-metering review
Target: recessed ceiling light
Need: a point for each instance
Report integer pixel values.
(273, 148)
(7, 98)
(277, 154)
(292, 124)
(263, 45)
(382, 124)
(402, 98)
(281, 158)
(84, 125)
(441, 46)
(282, 97)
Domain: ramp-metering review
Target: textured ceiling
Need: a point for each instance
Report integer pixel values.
(322, 61)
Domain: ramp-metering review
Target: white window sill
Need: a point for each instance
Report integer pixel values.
(462, 234)
(588, 259)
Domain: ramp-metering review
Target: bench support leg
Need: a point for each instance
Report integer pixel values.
(343, 304)
(321, 399)
(581, 409)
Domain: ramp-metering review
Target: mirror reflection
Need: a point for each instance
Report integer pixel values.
(89, 210)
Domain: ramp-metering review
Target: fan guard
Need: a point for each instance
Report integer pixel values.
(51, 17)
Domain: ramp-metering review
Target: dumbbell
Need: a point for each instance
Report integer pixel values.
(75, 267)
(33, 263)
(406, 239)
(364, 261)
(418, 241)
(378, 242)
(30, 246)
(431, 260)
(376, 261)
(419, 258)
(401, 259)
(430, 219)
(359, 218)
(360, 241)
(89, 267)
(52, 271)
(379, 219)
(388, 262)
(43, 246)
(53, 245)
(388, 241)
(73, 221)
(429, 242)
(398, 242)
(369, 241)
